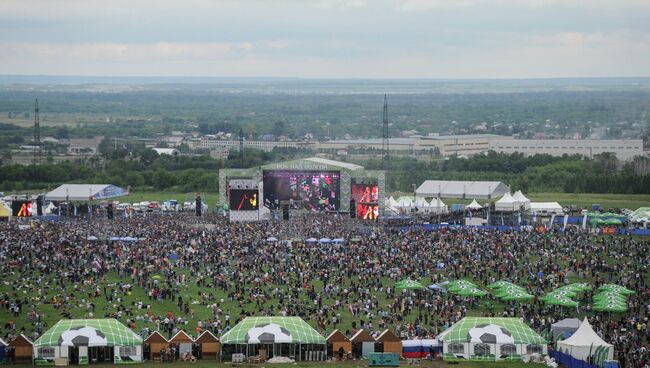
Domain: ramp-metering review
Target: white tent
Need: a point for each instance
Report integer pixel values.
(404, 202)
(506, 204)
(85, 192)
(461, 189)
(474, 205)
(438, 206)
(583, 343)
(521, 198)
(565, 327)
(546, 208)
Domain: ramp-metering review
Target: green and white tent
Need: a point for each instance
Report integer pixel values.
(483, 338)
(279, 336)
(85, 334)
(268, 330)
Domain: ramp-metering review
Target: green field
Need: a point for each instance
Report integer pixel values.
(582, 200)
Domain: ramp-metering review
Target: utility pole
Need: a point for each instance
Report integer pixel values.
(241, 147)
(385, 145)
(37, 135)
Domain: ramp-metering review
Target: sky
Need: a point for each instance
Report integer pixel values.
(447, 39)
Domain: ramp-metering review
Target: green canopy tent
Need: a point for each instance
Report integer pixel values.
(483, 338)
(88, 339)
(610, 307)
(564, 302)
(408, 284)
(500, 284)
(617, 288)
(274, 336)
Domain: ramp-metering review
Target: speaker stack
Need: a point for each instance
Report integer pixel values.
(353, 208)
(199, 205)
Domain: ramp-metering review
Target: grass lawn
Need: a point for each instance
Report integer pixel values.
(583, 200)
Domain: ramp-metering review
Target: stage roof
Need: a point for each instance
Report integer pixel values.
(85, 192)
(313, 163)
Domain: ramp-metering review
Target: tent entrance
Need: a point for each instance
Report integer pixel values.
(100, 354)
(73, 354)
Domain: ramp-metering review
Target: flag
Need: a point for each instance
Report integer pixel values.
(566, 221)
(550, 223)
(519, 218)
(584, 222)
(534, 217)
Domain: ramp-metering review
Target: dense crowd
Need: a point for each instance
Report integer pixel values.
(203, 273)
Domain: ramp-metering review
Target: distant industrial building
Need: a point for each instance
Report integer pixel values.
(227, 145)
(167, 151)
(446, 145)
(624, 149)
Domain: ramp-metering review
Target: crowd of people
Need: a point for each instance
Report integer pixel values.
(196, 273)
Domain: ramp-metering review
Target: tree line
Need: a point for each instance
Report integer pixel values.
(131, 164)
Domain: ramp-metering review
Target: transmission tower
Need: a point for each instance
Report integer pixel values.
(241, 147)
(37, 135)
(385, 145)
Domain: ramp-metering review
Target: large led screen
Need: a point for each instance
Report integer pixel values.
(365, 193)
(243, 200)
(367, 211)
(21, 208)
(312, 190)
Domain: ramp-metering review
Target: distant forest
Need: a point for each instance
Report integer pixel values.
(148, 113)
(143, 169)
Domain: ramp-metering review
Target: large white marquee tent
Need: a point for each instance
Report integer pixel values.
(461, 189)
(85, 192)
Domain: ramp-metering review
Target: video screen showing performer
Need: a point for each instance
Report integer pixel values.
(365, 193)
(367, 211)
(243, 199)
(311, 190)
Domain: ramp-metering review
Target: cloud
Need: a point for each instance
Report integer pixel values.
(277, 44)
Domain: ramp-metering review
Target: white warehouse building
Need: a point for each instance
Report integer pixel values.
(624, 149)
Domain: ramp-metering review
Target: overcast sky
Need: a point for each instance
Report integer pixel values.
(327, 38)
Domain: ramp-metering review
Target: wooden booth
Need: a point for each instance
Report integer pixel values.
(23, 349)
(337, 340)
(184, 342)
(388, 342)
(156, 343)
(362, 344)
(209, 345)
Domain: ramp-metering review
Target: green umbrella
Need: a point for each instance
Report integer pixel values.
(610, 296)
(469, 292)
(617, 288)
(408, 285)
(500, 284)
(520, 296)
(577, 287)
(509, 291)
(613, 307)
(559, 294)
(565, 302)
(456, 285)
(156, 277)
